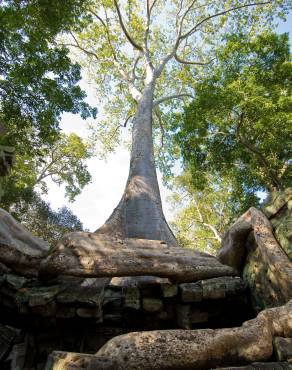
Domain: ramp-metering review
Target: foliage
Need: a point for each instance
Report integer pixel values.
(239, 124)
(202, 216)
(123, 39)
(47, 224)
(37, 79)
(38, 82)
(62, 161)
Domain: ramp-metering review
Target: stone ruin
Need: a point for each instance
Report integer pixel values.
(95, 302)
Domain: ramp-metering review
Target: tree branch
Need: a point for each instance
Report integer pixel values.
(128, 36)
(105, 25)
(216, 234)
(193, 29)
(182, 61)
(169, 97)
(149, 9)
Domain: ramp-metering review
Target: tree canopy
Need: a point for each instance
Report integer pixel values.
(238, 125)
(122, 39)
(38, 81)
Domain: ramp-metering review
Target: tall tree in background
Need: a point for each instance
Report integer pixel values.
(145, 50)
(63, 162)
(38, 82)
(239, 123)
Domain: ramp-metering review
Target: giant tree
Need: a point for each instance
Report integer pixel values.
(145, 51)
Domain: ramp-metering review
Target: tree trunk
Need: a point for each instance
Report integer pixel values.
(139, 213)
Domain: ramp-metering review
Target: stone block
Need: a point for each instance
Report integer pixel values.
(169, 290)
(234, 285)
(191, 292)
(183, 316)
(116, 318)
(197, 316)
(112, 296)
(152, 305)
(66, 313)
(16, 282)
(90, 313)
(213, 288)
(47, 310)
(283, 348)
(42, 296)
(132, 298)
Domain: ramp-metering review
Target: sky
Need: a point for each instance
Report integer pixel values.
(98, 199)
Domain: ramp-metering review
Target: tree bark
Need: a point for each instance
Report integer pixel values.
(90, 255)
(200, 349)
(19, 249)
(139, 213)
(234, 243)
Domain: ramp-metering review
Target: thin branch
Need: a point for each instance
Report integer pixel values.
(127, 120)
(169, 97)
(149, 9)
(119, 126)
(105, 25)
(77, 45)
(193, 29)
(182, 61)
(128, 36)
(133, 73)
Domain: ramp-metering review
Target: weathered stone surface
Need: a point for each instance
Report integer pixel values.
(183, 316)
(152, 304)
(169, 290)
(213, 288)
(272, 268)
(19, 249)
(65, 312)
(7, 335)
(48, 310)
(17, 356)
(93, 313)
(137, 281)
(191, 292)
(198, 316)
(15, 281)
(283, 348)
(43, 295)
(200, 349)
(85, 292)
(113, 297)
(132, 298)
(83, 254)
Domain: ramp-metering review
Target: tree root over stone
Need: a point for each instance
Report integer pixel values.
(90, 255)
(234, 243)
(187, 349)
(19, 249)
